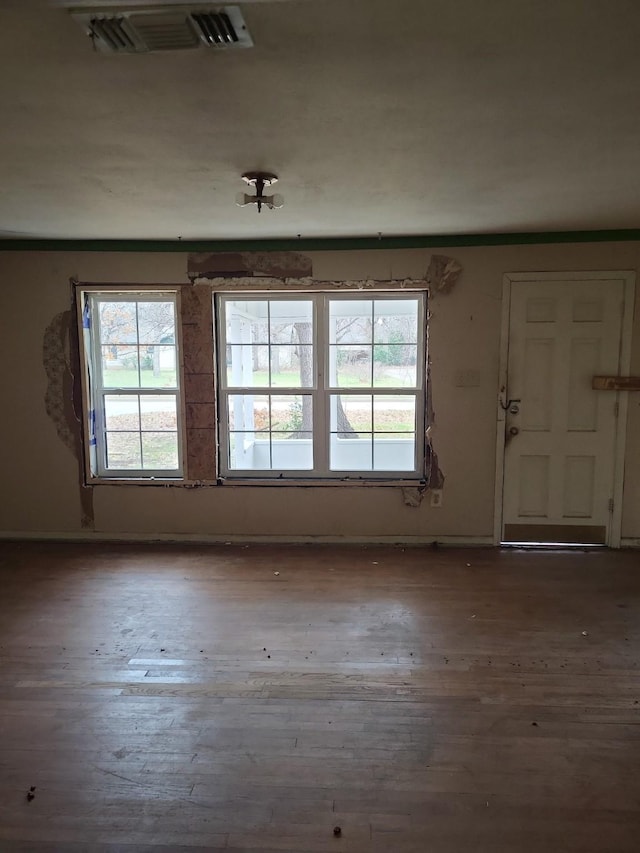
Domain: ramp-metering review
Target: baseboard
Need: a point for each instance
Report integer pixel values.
(218, 539)
(629, 542)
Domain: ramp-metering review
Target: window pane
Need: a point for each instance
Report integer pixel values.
(292, 366)
(394, 452)
(350, 452)
(123, 450)
(292, 414)
(350, 321)
(160, 450)
(247, 321)
(247, 366)
(395, 321)
(350, 366)
(351, 414)
(121, 412)
(159, 413)
(120, 367)
(292, 451)
(248, 412)
(291, 321)
(396, 413)
(158, 367)
(249, 451)
(271, 451)
(395, 365)
(118, 322)
(156, 323)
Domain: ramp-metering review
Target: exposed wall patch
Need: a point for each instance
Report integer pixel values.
(442, 275)
(63, 397)
(58, 398)
(239, 264)
(199, 388)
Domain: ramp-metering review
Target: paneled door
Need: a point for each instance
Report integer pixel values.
(560, 435)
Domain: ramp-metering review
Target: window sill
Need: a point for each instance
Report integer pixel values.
(135, 481)
(330, 482)
(273, 482)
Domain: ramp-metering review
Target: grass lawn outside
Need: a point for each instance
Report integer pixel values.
(120, 377)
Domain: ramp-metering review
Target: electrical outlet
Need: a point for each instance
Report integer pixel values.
(436, 497)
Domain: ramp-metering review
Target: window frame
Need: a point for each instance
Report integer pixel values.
(93, 390)
(321, 391)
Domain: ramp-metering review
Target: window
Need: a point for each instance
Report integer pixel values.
(132, 384)
(322, 385)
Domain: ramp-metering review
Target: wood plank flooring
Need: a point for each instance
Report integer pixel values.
(252, 698)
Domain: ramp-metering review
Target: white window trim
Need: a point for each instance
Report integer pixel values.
(95, 467)
(320, 392)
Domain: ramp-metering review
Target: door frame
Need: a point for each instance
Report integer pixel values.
(628, 278)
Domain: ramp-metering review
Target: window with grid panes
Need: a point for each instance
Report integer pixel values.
(321, 385)
(133, 384)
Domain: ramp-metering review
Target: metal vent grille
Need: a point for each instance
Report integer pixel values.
(150, 30)
(165, 32)
(113, 33)
(215, 28)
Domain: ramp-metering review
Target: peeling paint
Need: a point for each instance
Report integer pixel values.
(442, 275)
(63, 397)
(435, 477)
(413, 496)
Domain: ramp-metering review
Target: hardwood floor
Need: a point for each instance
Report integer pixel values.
(252, 698)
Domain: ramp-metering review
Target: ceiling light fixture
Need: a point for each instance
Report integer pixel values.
(260, 180)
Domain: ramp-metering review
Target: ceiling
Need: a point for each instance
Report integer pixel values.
(399, 117)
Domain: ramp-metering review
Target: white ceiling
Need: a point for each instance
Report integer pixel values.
(396, 116)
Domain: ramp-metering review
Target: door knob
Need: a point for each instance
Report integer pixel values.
(513, 430)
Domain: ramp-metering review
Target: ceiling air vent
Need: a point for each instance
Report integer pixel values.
(151, 30)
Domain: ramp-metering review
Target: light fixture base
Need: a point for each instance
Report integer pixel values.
(256, 178)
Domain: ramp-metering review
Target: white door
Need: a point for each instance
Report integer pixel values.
(560, 435)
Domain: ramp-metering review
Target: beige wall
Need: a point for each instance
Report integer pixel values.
(40, 490)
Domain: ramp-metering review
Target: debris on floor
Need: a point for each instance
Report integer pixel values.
(337, 831)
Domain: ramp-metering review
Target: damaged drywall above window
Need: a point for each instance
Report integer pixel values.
(205, 266)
